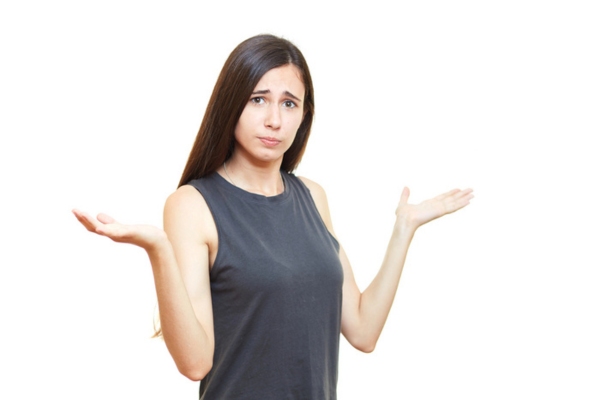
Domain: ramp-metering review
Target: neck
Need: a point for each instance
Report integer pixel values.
(259, 179)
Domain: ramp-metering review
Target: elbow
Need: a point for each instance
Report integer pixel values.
(363, 343)
(195, 372)
(365, 347)
(195, 376)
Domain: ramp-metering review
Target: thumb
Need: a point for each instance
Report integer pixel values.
(105, 219)
(404, 196)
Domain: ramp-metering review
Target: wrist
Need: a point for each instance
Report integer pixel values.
(158, 245)
(402, 234)
(404, 225)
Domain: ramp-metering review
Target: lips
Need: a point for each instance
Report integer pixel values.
(269, 141)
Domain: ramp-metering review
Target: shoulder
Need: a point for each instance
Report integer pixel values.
(316, 190)
(185, 199)
(320, 198)
(186, 211)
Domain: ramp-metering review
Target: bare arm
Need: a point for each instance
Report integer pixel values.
(179, 257)
(364, 314)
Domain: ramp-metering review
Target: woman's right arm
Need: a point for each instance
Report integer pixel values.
(181, 276)
(179, 256)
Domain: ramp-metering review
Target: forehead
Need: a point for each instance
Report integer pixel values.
(281, 79)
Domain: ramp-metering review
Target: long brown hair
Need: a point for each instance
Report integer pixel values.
(242, 71)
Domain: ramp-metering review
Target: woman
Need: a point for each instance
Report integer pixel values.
(253, 287)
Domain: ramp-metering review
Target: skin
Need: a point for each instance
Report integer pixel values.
(265, 130)
(182, 254)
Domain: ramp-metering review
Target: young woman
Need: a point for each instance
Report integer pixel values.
(253, 287)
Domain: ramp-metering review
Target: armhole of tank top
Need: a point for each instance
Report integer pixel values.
(336, 243)
(215, 221)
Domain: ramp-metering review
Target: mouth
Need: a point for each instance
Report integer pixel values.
(269, 141)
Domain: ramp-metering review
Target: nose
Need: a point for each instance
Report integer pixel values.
(273, 117)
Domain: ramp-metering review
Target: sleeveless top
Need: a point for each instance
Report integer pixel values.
(276, 287)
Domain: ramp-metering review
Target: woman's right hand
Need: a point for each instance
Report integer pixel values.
(147, 237)
(182, 282)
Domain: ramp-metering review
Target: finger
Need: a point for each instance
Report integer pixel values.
(404, 195)
(447, 194)
(454, 195)
(119, 233)
(86, 220)
(465, 192)
(458, 203)
(468, 194)
(114, 231)
(464, 195)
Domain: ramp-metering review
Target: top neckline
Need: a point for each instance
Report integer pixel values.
(255, 197)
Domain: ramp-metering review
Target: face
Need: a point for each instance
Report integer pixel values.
(272, 116)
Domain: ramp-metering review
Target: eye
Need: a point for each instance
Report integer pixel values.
(289, 104)
(257, 100)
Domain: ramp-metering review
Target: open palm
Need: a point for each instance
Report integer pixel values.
(145, 236)
(416, 215)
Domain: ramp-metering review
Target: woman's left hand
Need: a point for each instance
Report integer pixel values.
(415, 215)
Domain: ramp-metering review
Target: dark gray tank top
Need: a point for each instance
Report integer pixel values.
(276, 287)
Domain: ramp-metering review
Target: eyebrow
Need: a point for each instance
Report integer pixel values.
(268, 91)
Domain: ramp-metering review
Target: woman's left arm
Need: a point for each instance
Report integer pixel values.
(364, 314)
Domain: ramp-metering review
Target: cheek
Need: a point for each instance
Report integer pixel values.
(295, 121)
(293, 134)
(237, 131)
(243, 125)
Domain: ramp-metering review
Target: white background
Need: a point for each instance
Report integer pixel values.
(100, 103)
